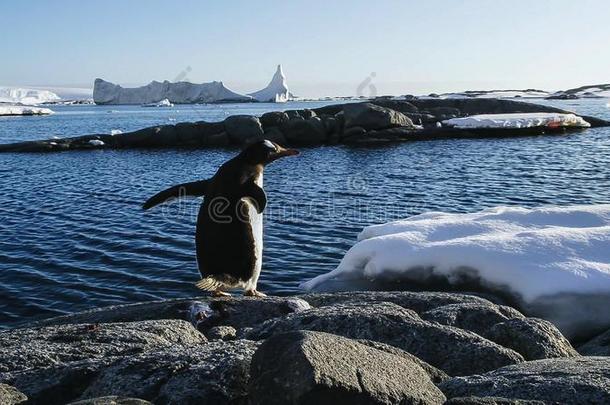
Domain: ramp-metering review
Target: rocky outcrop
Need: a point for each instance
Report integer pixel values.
(311, 367)
(11, 395)
(598, 346)
(455, 351)
(368, 123)
(584, 380)
(358, 347)
(111, 400)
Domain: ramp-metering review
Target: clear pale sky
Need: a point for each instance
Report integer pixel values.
(326, 47)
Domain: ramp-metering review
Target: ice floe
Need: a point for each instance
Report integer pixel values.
(17, 95)
(23, 110)
(518, 120)
(554, 262)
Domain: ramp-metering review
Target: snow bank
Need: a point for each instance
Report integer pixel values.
(518, 120)
(554, 262)
(23, 110)
(276, 91)
(26, 96)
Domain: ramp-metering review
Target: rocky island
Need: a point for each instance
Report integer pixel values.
(325, 348)
(373, 122)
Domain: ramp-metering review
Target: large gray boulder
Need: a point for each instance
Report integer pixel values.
(477, 317)
(23, 349)
(584, 380)
(243, 128)
(318, 368)
(11, 395)
(273, 119)
(533, 338)
(455, 351)
(304, 131)
(370, 116)
(493, 401)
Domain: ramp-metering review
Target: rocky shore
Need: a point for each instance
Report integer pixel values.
(373, 122)
(335, 348)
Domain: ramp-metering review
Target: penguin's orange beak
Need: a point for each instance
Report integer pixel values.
(285, 152)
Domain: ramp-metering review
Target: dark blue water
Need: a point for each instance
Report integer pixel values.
(73, 235)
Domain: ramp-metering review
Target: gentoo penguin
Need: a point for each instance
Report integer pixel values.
(229, 236)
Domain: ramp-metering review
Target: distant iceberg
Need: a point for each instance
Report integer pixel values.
(277, 90)
(179, 93)
(163, 103)
(16, 95)
(552, 262)
(518, 120)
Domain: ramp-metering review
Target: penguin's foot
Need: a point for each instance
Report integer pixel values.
(220, 293)
(254, 293)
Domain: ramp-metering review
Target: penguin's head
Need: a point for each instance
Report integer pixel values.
(264, 152)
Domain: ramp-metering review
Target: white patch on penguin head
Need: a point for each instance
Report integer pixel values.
(270, 145)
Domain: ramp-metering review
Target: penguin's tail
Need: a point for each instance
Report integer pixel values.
(209, 284)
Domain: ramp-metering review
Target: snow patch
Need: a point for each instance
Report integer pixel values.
(553, 261)
(96, 142)
(115, 132)
(518, 120)
(23, 110)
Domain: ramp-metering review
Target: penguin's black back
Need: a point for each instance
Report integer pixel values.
(224, 239)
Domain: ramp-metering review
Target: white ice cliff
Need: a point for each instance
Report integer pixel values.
(26, 96)
(179, 93)
(23, 110)
(277, 90)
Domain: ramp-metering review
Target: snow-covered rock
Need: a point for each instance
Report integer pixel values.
(26, 96)
(23, 110)
(590, 91)
(96, 142)
(554, 261)
(276, 91)
(180, 93)
(518, 120)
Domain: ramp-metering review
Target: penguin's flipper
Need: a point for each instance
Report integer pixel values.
(194, 189)
(255, 193)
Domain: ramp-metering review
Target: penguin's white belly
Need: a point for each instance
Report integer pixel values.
(256, 222)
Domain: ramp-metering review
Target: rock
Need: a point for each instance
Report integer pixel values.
(584, 380)
(492, 401)
(397, 105)
(241, 128)
(355, 133)
(444, 113)
(111, 400)
(214, 373)
(455, 351)
(294, 114)
(11, 395)
(304, 132)
(22, 349)
(419, 302)
(274, 119)
(598, 346)
(370, 116)
(307, 114)
(221, 333)
(381, 136)
(275, 135)
(531, 337)
(476, 317)
(437, 376)
(220, 139)
(318, 368)
(197, 133)
(238, 312)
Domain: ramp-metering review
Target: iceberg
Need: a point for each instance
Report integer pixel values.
(23, 110)
(276, 91)
(26, 96)
(518, 120)
(163, 103)
(550, 262)
(179, 93)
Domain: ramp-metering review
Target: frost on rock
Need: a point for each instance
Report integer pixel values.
(26, 96)
(276, 91)
(518, 120)
(180, 93)
(23, 110)
(553, 262)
